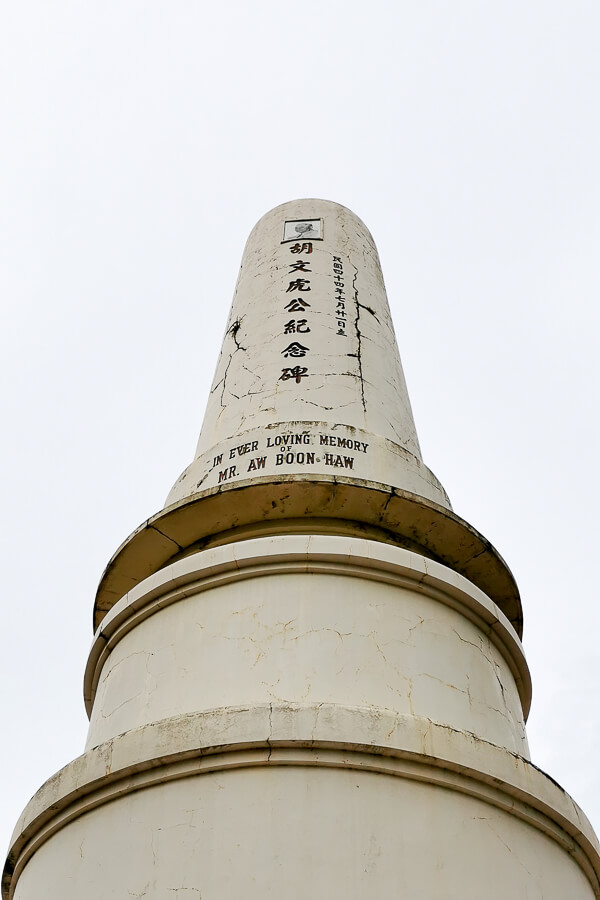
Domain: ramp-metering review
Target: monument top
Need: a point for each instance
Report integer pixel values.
(309, 379)
(308, 427)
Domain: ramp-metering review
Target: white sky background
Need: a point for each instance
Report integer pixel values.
(140, 143)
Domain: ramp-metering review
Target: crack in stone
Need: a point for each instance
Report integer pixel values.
(368, 309)
(179, 547)
(358, 338)
(318, 708)
(387, 503)
(178, 891)
(110, 713)
(478, 554)
(340, 634)
(496, 667)
(465, 641)
(224, 380)
(203, 479)
(232, 330)
(270, 746)
(318, 405)
(418, 625)
(502, 841)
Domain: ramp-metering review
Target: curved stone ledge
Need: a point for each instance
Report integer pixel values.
(217, 515)
(401, 746)
(367, 559)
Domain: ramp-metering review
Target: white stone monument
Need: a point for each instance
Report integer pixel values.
(307, 678)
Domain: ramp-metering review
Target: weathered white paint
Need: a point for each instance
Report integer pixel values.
(309, 620)
(350, 389)
(307, 676)
(294, 832)
(230, 787)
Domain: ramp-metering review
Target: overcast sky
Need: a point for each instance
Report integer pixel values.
(140, 143)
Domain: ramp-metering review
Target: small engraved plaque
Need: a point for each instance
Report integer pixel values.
(303, 230)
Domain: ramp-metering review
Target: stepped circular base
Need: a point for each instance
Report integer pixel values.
(300, 504)
(405, 807)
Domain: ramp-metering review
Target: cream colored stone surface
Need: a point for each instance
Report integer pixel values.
(279, 734)
(329, 635)
(307, 678)
(278, 768)
(320, 448)
(309, 395)
(300, 505)
(316, 307)
(295, 831)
